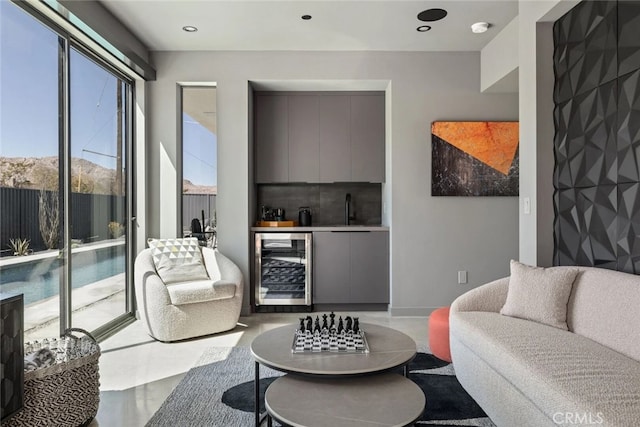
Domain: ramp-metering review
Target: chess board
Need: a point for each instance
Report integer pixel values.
(329, 341)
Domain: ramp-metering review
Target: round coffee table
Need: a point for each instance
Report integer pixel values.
(388, 349)
(384, 400)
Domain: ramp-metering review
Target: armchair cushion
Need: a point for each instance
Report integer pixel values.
(200, 291)
(178, 260)
(539, 294)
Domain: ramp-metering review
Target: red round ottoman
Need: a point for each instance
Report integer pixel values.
(439, 333)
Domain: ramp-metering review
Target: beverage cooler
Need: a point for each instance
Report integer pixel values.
(282, 269)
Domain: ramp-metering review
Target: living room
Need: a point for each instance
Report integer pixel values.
(447, 73)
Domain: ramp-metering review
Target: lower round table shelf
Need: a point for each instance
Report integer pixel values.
(375, 400)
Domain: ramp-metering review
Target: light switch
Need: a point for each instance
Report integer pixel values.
(462, 277)
(527, 206)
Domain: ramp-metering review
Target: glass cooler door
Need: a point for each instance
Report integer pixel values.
(283, 269)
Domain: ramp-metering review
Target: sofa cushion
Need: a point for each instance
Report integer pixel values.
(539, 294)
(200, 291)
(559, 371)
(178, 260)
(604, 306)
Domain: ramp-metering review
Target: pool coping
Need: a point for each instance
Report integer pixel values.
(52, 253)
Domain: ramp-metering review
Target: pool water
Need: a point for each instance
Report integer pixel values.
(40, 279)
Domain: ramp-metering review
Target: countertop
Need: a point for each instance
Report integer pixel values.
(321, 228)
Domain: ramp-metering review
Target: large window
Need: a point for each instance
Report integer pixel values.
(64, 190)
(199, 163)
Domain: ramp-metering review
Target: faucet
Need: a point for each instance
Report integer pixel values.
(347, 210)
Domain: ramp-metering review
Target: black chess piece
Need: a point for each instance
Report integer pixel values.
(309, 324)
(333, 320)
(316, 325)
(324, 322)
(340, 325)
(356, 325)
(349, 323)
(301, 327)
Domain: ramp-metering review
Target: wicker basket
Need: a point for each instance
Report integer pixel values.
(66, 393)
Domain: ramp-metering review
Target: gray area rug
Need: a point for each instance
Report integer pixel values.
(218, 391)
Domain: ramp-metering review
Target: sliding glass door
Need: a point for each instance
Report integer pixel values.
(98, 223)
(65, 186)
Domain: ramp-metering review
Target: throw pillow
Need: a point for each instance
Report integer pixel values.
(178, 260)
(539, 294)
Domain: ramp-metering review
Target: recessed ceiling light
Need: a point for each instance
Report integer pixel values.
(423, 28)
(189, 28)
(480, 27)
(431, 15)
(306, 17)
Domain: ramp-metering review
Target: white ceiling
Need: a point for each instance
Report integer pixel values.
(336, 24)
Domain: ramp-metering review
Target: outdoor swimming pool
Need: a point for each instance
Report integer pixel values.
(40, 279)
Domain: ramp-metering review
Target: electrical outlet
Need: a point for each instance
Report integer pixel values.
(462, 277)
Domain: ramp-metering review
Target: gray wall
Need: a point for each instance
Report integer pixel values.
(545, 130)
(431, 238)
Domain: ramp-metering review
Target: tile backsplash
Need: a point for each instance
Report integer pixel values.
(326, 201)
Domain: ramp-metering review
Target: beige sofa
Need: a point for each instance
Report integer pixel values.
(524, 373)
(185, 310)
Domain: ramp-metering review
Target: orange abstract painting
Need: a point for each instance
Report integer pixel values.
(475, 158)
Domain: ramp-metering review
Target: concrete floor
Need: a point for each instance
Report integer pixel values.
(137, 373)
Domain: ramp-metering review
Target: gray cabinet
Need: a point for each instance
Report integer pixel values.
(272, 140)
(331, 267)
(367, 132)
(335, 145)
(351, 267)
(303, 138)
(369, 267)
(319, 137)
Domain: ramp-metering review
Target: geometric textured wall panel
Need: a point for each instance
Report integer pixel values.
(628, 138)
(585, 48)
(597, 140)
(628, 246)
(586, 146)
(628, 36)
(586, 220)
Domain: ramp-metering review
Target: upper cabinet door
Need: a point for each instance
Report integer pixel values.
(335, 144)
(367, 138)
(271, 138)
(303, 138)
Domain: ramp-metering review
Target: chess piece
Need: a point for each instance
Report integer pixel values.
(301, 327)
(340, 325)
(356, 325)
(316, 326)
(333, 320)
(309, 324)
(324, 322)
(349, 321)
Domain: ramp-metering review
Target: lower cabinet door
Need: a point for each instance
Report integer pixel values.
(369, 267)
(331, 267)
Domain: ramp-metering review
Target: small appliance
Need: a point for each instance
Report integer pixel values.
(304, 216)
(279, 214)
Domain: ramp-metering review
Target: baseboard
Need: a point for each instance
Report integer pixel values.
(245, 311)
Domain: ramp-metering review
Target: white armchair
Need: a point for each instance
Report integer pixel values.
(185, 310)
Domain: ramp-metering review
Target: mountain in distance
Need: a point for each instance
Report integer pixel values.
(190, 188)
(86, 177)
